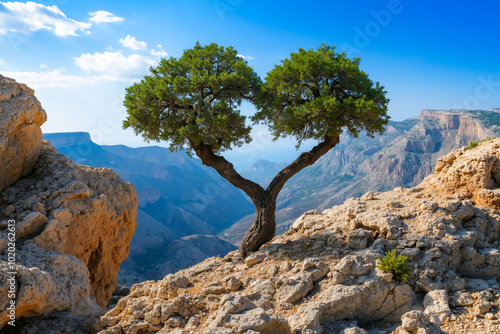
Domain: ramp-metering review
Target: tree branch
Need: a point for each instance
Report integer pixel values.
(227, 171)
(304, 160)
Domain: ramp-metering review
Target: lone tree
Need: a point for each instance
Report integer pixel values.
(192, 102)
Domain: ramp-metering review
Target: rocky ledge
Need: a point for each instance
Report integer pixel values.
(21, 116)
(73, 226)
(322, 277)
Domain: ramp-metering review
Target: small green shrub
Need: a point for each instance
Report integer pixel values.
(398, 266)
(472, 144)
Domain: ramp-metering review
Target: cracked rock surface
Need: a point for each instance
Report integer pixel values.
(21, 116)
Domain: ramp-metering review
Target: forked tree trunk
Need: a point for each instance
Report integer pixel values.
(264, 225)
(263, 228)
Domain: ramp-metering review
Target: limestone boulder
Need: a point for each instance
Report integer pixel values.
(21, 116)
(46, 282)
(436, 306)
(74, 227)
(470, 173)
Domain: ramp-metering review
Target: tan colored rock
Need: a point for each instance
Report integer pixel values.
(75, 248)
(294, 288)
(21, 116)
(372, 300)
(33, 223)
(257, 320)
(472, 174)
(253, 259)
(353, 330)
(233, 284)
(310, 220)
(382, 221)
(48, 281)
(436, 306)
(263, 287)
(416, 322)
(462, 298)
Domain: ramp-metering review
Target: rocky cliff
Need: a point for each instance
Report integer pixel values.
(321, 276)
(470, 174)
(64, 230)
(73, 229)
(65, 139)
(21, 116)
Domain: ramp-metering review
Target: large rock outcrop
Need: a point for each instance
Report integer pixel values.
(470, 173)
(322, 277)
(467, 127)
(21, 116)
(73, 229)
(64, 228)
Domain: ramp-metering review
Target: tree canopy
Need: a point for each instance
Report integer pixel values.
(319, 93)
(193, 101)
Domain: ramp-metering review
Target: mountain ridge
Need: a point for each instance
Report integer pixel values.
(401, 157)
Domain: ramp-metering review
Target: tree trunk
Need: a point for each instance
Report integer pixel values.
(263, 227)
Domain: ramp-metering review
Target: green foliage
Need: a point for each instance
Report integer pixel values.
(398, 266)
(317, 93)
(194, 99)
(472, 144)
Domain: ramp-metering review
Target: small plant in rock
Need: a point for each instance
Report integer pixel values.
(472, 144)
(398, 266)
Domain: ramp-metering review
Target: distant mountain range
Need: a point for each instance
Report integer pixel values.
(182, 204)
(401, 157)
(263, 171)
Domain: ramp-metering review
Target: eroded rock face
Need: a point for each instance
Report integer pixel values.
(470, 174)
(47, 281)
(21, 116)
(74, 225)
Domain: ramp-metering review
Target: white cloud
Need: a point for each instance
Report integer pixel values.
(132, 43)
(245, 57)
(159, 53)
(102, 16)
(115, 64)
(43, 66)
(30, 16)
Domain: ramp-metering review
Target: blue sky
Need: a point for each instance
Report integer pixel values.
(79, 56)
